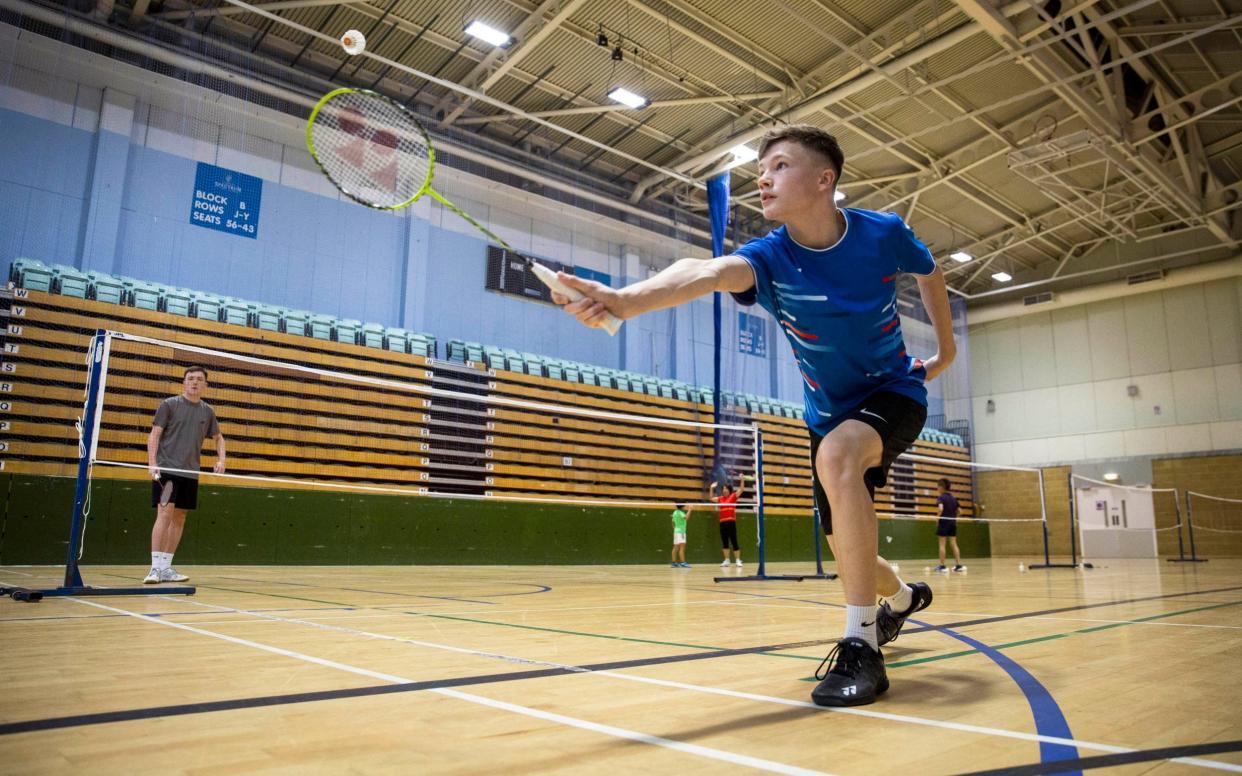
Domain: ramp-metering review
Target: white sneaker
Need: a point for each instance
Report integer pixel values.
(724, 563)
(738, 564)
(170, 574)
(152, 577)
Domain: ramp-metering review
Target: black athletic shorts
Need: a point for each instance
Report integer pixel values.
(728, 534)
(897, 419)
(946, 527)
(182, 492)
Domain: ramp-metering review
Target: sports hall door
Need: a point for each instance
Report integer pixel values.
(1116, 523)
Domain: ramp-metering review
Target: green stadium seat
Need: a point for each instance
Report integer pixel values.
(555, 370)
(143, 294)
(372, 335)
(70, 281)
(346, 330)
(106, 288)
(423, 345)
(31, 274)
(268, 317)
(494, 357)
(236, 311)
(320, 326)
(534, 364)
(207, 306)
(397, 339)
(572, 373)
(177, 301)
(456, 351)
(294, 322)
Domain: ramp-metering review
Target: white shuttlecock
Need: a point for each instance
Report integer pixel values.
(1021, 567)
(354, 42)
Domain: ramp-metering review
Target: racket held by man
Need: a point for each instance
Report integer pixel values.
(378, 154)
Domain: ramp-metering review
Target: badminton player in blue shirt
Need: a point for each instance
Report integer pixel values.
(828, 276)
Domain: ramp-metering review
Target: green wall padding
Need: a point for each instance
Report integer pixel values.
(249, 526)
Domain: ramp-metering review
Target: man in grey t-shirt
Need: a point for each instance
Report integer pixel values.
(173, 449)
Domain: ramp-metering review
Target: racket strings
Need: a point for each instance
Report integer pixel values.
(372, 149)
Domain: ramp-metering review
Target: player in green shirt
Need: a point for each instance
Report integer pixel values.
(680, 515)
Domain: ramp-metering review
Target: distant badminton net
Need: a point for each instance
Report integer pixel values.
(1132, 508)
(985, 493)
(1215, 514)
(443, 430)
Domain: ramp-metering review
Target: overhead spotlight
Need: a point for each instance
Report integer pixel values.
(743, 154)
(627, 98)
(961, 257)
(617, 54)
(488, 34)
(838, 196)
(1002, 277)
(1111, 476)
(601, 39)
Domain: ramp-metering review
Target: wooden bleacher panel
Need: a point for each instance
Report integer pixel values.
(319, 430)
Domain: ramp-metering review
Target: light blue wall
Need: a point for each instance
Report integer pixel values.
(43, 174)
(108, 202)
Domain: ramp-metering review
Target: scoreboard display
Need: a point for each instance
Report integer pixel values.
(508, 274)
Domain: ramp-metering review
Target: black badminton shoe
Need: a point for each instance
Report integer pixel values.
(888, 623)
(852, 675)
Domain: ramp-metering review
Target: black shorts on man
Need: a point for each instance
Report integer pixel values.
(898, 420)
(181, 492)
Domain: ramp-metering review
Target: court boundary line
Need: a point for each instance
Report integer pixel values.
(581, 724)
(406, 686)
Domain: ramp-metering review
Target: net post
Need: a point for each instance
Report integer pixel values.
(1190, 530)
(1043, 515)
(97, 377)
(94, 394)
(815, 526)
(1181, 548)
(759, 497)
(1043, 506)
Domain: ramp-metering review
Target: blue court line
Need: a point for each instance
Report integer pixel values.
(1049, 721)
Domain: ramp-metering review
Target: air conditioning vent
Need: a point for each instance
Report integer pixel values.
(1041, 298)
(1145, 277)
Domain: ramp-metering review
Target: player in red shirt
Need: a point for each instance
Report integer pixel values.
(728, 520)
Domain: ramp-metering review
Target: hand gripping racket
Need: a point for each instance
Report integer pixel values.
(379, 155)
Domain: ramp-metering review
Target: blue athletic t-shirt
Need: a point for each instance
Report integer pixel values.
(838, 308)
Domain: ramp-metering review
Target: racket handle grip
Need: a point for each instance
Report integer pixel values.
(548, 277)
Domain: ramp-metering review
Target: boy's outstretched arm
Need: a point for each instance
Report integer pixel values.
(936, 301)
(683, 280)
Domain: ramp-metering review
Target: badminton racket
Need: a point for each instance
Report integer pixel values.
(378, 154)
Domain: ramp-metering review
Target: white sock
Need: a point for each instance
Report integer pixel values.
(901, 600)
(155, 559)
(860, 624)
(168, 560)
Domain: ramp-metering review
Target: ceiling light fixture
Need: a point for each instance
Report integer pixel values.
(1002, 277)
(488, 34)
(961, 257)
(601, 38)
(627, 98)
(838, 196)
(617, 54)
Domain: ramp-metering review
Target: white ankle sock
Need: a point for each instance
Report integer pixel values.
(860, 624)
(901, 600)
(160, 560)
(168, 560)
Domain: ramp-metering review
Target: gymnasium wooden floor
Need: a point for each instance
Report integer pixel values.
(627, 669)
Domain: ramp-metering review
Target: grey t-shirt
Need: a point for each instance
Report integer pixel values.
(186, 424)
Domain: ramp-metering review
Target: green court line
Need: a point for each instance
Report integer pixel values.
(570, 632)
(1038, 639)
